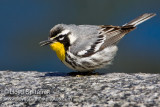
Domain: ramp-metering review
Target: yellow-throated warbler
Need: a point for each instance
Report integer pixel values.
(88, 47)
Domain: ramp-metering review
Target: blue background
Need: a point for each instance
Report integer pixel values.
(24, 23)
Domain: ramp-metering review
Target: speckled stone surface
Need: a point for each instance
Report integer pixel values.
(42, 89)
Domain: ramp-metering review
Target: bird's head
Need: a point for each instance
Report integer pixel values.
(59, 40)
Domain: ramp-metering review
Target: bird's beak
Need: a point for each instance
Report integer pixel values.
(46, 42)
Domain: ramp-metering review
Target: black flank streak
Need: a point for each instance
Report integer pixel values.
(69, 63)
(86, 63)
(95, 60)
(72, 62)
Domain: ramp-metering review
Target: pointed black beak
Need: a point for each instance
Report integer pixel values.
(46, 42)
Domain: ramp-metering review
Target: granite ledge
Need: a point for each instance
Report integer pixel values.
(32, 88)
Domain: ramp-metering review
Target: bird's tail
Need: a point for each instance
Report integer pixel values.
(140, 19)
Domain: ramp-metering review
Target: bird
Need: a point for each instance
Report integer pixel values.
(86, 48)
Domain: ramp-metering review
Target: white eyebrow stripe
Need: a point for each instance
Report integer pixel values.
(62, 33)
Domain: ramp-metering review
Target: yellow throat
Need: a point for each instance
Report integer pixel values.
(59, 49)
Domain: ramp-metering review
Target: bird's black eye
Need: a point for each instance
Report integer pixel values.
(61, 37)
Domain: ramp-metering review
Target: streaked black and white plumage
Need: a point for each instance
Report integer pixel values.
(90, 47)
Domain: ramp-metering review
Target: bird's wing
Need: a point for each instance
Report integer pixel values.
(84, 46)
(87, 40)
(104, 36)
(96, 38)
